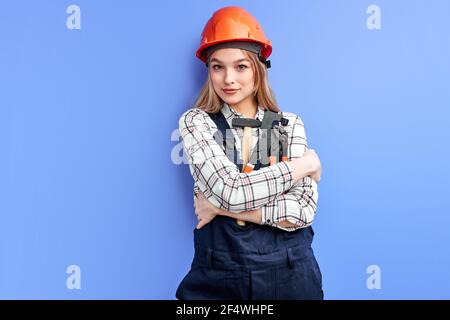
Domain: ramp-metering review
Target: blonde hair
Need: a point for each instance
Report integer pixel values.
(209, 101)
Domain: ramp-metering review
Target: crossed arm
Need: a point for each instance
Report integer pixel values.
(292, 210)
(267, 196)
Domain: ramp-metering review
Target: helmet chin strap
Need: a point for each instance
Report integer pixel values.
(246, 45)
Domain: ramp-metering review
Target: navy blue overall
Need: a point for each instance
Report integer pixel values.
(251, 262)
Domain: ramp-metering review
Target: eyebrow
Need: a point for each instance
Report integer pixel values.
(240, 60)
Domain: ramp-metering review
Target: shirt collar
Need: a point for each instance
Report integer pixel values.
(230, 113)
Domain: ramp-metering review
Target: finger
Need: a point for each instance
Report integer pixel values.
(201, 224)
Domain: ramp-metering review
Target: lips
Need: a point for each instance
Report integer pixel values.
(230, 91)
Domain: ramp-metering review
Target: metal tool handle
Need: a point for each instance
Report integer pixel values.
(246, 147)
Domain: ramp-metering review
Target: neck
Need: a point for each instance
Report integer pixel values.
(247, 107)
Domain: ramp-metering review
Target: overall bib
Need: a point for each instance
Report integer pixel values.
(251, 262)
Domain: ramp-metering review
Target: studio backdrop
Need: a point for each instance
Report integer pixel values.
(95, 193)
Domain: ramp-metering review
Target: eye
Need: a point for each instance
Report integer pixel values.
(242, 67)
(216, 67)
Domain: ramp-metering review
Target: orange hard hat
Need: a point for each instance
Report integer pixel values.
(234, 27)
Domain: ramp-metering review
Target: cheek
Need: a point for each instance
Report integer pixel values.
(248, 80)
(215, 79)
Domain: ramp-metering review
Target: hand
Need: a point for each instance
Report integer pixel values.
(307, 165)
(204, 210)
(315, 165)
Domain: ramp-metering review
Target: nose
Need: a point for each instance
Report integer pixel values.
(229, 77)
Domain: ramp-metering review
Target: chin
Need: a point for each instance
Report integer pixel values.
(231, 100)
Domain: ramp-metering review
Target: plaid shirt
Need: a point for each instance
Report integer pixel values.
(271, 188)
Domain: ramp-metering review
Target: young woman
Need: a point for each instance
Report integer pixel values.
(253, 238)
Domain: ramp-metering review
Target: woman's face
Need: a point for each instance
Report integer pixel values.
(230, 69)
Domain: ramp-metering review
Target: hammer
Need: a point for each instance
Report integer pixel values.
(247, 124)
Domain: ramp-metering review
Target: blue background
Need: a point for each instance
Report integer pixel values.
(86, 118)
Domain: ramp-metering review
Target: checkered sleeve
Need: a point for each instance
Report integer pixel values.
(218, 178)
(298, 205)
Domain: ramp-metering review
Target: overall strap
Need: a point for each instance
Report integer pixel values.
(225, 140)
